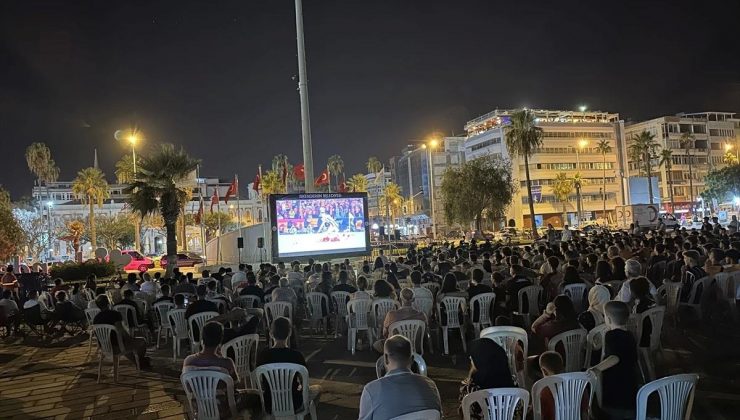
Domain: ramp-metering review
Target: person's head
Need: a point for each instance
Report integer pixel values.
(213, 333)
(502, 321)
(201, 291)
(251, 278)
(551, 363)
(343, 277)
(378, 264)
(165, 289)
(9, 269)
(416, 278)
(632, 269)
(449, 284)
(179, 300)
(407, 296)
(564, 308)
(554, 262)
(571, 275)
(397, 352)
(283, 282)
(326, 276)
(61, 296)
(640, 288)
(603, 271)
(362, 283)
(131, 278)
(128, 294)
(102, 302)
(7, 294)
(381, 288)
(716, 256)
(280, 331)
(616, 314)
(477, 275)
(597, 298)
(212, 286)
(691, 258)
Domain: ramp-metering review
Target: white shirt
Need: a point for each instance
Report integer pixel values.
(422, 292)
(237, 278)
(149, 287)
(625, 293)
(33, 302)
(566, 235)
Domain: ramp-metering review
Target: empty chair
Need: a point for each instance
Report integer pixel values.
(417, 366)
(105, 335)
(483, 302)
(509, 338)
(358, 314)
(496, 404)
(243, 351)
(420, 415)
(130, 320)
(179, 325)
(532, 295)
(595, 343)
(676, 397)
(413, 329)
(726, 291)
(196, 323)
(697, 289)
(655, 315)
(573, 342)
(453, 307)
(339, 303)
(201, 390)
(317, 304)
(567, 390)
(670, 293)
(163, 324)
(247, 302)
(90, 315)
(278, 377)
(380, 308)
(577, 293)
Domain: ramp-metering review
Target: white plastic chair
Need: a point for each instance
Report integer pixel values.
(90, 315)
(105, 347)
(201, 390)
(595, 342)
(247, 302)
(693, 302)
(358, 313)
(577, 293)
(129, 313)
(316, 302)
(163, 325)
(425, 305)
(672, 292)
(655, 315)
(484, 301)
(496, 404)
(420, 415)
(146, 297)
(279, 378)
(179, 325)
(726, 291)
(413, 329)
(380, 308)
(418, 366)
(432, 287)
(245, 355)
(275, 310)
(533, 294)
(453, 306)
(574, 342)
(567, 391)
(508, 338)
(196, 323)
(339, 301)
(676, 396)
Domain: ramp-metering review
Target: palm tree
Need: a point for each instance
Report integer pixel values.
(335, 166)
(562, 189)
(272, 183)
(523, 137)
(357, 183)
(729, 158)
(280, 165)
(40, 163)
(643, 150)
(125, 169)
(373, 165)
(91, 188)
(687, 143)
(666, 160)
(391, 198)
(162, 184)
(603, 147)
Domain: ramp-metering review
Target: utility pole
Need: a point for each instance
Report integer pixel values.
(303, 92)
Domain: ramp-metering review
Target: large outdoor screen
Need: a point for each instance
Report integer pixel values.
(319, 224)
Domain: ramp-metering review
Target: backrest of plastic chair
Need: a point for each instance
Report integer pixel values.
(432, 287)
(247, 301)
(90, 314)
(496, 404)
(103, 334)
(279, 378)
(146, 297)
(419, 366)
(672, 294)
(724, 283)
(245, 353)
(202, 386)
(142, 305)
(361, 309)
(567, 391)
(484, 301)
(161, 309)
(508, 337)
(533, 295)
(573, 341)
(576, 292)
(452, 306)
(424, 304)
(381, 307)
(410, 328)
(177, 317)
(278, 309)
(339, 300)
(697, 289)
(315, 303)
(197, 321)
(676, 396)
(595, 342)
(656, 316)
(420, 415)
(124, 310)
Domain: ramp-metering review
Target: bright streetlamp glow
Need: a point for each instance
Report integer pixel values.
(133, 138)
(728, 147)
(583, 108)
(582, 143)
(50, 203)
(737, 201)
(433, 143)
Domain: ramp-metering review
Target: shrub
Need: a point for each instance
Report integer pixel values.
(71, 270)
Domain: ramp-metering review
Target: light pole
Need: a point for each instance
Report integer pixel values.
(303, 93)
(579, 206)
(49, 205)
(432, 145)
(133, 138)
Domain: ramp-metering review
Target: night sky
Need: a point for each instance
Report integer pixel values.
(217, 77)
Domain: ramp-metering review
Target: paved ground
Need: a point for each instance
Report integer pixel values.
(57, 379)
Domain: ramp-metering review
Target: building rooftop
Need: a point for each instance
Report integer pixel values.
(500, 117)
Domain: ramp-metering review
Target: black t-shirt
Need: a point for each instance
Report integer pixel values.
(620, 381)
(282, 355)
(200, 306)
(344, 287)
(164, 299)
(733, 254)
(109, 317)
(253, 290)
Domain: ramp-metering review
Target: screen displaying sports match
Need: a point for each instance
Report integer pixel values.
(319, 224)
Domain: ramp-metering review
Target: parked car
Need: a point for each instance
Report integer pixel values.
(184, 259)
(138, 261)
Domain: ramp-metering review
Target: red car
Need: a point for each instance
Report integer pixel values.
(138, 261)
(184, 259)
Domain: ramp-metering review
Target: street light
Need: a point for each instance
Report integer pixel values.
(582, 143)
(49, 205)
(729, 147)
(433, 143)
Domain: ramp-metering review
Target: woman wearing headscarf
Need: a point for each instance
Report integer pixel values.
(489, 369)
(594, 315)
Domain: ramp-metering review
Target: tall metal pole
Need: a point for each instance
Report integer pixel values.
(431, 195)
(303, 92)
(200, 206)
(137, 222)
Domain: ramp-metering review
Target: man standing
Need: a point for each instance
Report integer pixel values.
(400, 391)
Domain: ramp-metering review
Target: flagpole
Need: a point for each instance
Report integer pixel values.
(238, 213)
(200, 216)
(264, 211)
(218, 213)
(328, 178)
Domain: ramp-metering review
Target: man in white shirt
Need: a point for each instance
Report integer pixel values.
(632, 269)
(10, 309)
(239, 279)
(148, 286)
(33, 300)
(566, 235)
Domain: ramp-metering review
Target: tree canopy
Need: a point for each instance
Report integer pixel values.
(721, 182)
(11, 234)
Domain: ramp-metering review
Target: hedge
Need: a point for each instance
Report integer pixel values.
(71, 270)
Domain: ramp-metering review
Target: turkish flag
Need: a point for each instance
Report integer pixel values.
(256, 183)
(231, 192)
(298, 172)
(199, 215)
(214, 199)
(322, 179)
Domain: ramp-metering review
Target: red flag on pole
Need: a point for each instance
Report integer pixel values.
(214, 198)
(322, 179)
(256, 183)
(298, 172)
(343, 186)
(231, 192)
(199, 215)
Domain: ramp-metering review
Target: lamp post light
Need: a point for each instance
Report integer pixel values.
(729, 147)
(579, 206)
(49, 205)
(432, 145)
